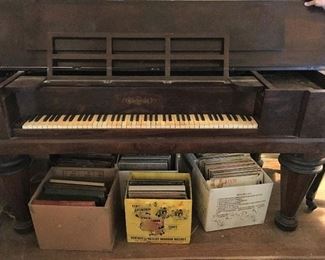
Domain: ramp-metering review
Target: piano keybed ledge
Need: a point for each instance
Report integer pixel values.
(141, 121)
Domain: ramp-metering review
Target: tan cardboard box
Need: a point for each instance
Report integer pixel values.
(77, 227)
(159, 220)
(229, 207)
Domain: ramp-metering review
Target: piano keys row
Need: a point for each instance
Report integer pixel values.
(141, 121)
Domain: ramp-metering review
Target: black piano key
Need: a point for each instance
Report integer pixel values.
(221, 117)
(201, 117)
(210, 117)
(150, 117)
(145, 117)
(91, 117)
(37, 118)
(215, 117)
(57, 117)
(170, 117)
(235, 117)
(164, 117)
(183, 117)
(196, 117)
(51, 118)
(137, 117)
(229, 117)
(71, 118)
(177, 117)
(85, 117)
(30, 119)
(188, 117)
(123, 117)
(80, 117)
(156, 117)
(131, 117)
(118, 118)
(65, 118)
(243, 118)
(248, 118)
(113, 117)
(98, 118)
(104, 117)
(47, 118)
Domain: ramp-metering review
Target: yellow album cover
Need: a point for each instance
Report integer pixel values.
(159, 220)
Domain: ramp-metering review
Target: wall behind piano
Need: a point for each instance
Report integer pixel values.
(269, 33)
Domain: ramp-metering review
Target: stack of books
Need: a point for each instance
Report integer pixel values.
(145, 162)
(225, 170)
(157, 189)
(73, 192)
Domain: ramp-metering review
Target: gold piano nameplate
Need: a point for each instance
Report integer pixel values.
(138, 100)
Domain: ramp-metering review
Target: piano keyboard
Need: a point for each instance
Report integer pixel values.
(141, 121)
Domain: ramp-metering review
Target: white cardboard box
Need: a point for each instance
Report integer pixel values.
(229, 207)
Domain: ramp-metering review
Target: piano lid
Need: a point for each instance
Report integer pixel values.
(268, 34)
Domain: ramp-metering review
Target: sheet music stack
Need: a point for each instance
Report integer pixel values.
(225, 170)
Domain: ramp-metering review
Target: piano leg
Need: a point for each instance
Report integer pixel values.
(297, 173)
(313, 190)
(257, 158)
(13, 173)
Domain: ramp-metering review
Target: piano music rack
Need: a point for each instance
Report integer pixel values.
(152, 57)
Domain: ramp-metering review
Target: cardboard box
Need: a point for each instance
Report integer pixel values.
(77, 227)
(159, 220)
(229, 207)
(124, 176)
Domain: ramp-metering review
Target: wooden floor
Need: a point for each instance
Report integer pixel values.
(254, 242)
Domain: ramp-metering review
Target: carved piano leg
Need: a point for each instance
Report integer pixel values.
(313, 190)
(13, 172)
(257, 158)
(297, 173)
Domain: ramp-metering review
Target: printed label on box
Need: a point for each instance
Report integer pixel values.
(158, 220)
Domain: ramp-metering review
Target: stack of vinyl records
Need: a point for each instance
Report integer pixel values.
(157, 189)
(225, 170)
(145, 162)
(84, 160)
(74, 192)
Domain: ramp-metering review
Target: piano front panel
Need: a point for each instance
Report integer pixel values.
(165, 99)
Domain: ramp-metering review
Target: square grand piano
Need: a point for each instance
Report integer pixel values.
(162, 77)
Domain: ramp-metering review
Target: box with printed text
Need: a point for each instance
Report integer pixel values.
(159, 220)
(228, 207)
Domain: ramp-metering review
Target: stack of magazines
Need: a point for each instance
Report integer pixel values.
(229, 169)
(157, 189)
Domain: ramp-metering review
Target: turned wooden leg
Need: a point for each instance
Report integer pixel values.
(257, 158)
(13, 172)
(311, 193)
(297, 173)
